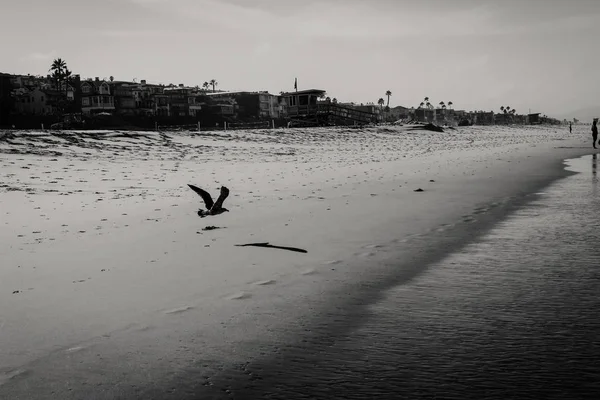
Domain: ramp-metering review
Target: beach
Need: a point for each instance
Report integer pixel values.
(112, 287)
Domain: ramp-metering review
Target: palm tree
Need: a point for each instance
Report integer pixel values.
(334, 100)
(61, 75)
(502, 108)
(328, 99)
(426, 99)
(421, 105)
(214, 83)
(450, 104)
(442, 104)
(56, 77)
(428, 105)
(57, 68)
(205, 85)
(58, 65)
(66, 79)
(507, 109)
(388, 94)
(381, 102)
(112, 78)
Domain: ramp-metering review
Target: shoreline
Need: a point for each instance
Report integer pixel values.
(374, 357)
(285, 285)
(346, 313)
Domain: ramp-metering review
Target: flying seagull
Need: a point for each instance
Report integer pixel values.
(212, 208)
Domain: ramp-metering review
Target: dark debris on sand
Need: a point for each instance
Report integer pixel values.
(427, 127)
(211, 228)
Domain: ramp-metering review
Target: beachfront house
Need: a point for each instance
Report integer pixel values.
(68, 90)
(303, 102)
(373, 109)
(137, 98)
(183, 101)
(425, 114)
(221, 108)
(533, 118)
(144, 96)
(124, 97)
(161, 105)
(38, 102)
(397, 113)
(249, 105)
(502, 118)
(481, 117)
(96, 97)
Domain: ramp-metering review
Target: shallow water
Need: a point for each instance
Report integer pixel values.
(511, 315)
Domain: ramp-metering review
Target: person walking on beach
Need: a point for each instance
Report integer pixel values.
(595, 131)
(570, 128)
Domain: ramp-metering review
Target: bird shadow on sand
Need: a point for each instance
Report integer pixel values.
(266, 244)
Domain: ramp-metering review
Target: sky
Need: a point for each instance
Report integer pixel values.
(538, 55)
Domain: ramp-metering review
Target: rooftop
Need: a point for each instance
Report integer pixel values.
(237, 92)
(308, 91)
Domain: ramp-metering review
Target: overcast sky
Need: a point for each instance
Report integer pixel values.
(542, 55)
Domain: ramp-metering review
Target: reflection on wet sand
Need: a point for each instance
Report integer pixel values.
(511, 315)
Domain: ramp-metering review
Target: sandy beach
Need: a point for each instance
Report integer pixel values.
(112, 287)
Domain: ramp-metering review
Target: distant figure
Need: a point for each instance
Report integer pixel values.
(595, 131)
(570, 128)
(594, 163)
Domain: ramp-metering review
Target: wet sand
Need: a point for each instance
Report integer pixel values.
(112, 289)
(511, 314)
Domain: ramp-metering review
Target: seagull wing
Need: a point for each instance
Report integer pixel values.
(205, 196)
(221, 199)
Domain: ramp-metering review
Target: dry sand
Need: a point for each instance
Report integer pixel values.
(110, 287)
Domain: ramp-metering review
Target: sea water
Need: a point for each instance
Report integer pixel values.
(514, 314)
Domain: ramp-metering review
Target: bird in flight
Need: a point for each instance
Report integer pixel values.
(212, 207)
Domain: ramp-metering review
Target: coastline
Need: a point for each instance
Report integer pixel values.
(354, 237)
(348, 309)
(509, 314)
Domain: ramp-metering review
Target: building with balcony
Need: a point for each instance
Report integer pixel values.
(161, 105)
(137, 98)
(250, 105)
(96, 97)
(303, 102)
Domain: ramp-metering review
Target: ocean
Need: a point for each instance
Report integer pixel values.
(511, 315)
